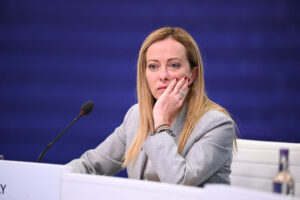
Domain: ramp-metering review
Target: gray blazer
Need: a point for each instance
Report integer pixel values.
(206, 157)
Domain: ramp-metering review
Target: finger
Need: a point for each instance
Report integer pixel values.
(185, 86)
(179, 85)
(171, 86)
(184, 90)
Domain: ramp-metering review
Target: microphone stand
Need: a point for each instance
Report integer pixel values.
(57, 137)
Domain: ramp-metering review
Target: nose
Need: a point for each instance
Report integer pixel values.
(164, 74)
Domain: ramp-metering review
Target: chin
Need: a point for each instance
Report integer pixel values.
(157, 95)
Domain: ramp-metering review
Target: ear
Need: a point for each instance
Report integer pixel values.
(194, 73)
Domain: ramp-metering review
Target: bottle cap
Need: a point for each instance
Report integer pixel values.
(284, 152)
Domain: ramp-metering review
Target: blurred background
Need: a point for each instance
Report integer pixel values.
(55, 55)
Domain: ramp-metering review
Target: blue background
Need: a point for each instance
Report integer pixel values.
(55, 55)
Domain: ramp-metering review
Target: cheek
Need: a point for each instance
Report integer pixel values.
(147, 76)
(179, 75)
(150, 80)
(188, 73)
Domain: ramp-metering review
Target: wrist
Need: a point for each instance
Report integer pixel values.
(160, 121)
(161, 127)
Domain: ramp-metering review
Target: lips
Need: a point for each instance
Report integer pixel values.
(162, 88)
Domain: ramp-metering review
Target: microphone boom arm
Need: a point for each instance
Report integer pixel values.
(57, 137)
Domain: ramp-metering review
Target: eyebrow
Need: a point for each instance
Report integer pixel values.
(170, 59)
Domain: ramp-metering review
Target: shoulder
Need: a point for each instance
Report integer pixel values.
(133, 112)
(214, 117)
(132, 116)
(213, 120)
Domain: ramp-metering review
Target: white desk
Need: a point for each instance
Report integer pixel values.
(35, 181)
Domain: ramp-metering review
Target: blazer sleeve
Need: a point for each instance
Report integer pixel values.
(106, 158)
(209, 148)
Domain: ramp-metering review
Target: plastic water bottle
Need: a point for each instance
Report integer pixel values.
(283, 182)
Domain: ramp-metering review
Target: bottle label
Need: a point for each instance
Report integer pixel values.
(277, 187)
(283, 188)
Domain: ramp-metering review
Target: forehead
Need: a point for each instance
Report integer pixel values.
(164, 49)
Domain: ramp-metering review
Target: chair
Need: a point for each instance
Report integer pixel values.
(256, 164)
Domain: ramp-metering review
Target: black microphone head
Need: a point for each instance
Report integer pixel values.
(87, 107)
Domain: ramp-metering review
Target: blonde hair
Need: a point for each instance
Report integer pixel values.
(198, 102)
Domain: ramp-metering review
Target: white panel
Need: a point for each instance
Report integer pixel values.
(265, 156)
(252, 144)
(251, 182)
(224, 192)
(79, 186)
(258, 184)
(261, 170)
(254, 170)
(256, 164)
(32, 181)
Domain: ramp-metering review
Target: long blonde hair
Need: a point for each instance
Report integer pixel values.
(198, 102)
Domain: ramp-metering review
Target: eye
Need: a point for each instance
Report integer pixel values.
(152, 66)
(175, 65)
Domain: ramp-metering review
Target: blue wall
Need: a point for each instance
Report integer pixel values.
(55, 55)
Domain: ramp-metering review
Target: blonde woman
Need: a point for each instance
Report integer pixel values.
(175, 133)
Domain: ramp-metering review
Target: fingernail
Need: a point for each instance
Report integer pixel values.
(176, 79)
(185, 78)
(189, 80)
(189, 86)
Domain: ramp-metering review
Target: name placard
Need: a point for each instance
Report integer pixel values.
(2, 188)
(24, 180)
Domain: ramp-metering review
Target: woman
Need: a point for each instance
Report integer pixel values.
(175, 134)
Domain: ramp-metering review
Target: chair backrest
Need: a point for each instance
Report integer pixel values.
(256, 164)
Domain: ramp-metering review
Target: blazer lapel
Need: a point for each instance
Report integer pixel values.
(140, 164)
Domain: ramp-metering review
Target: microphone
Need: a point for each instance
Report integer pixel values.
(85, 109)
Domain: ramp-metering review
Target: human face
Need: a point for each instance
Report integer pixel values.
(166, 60)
